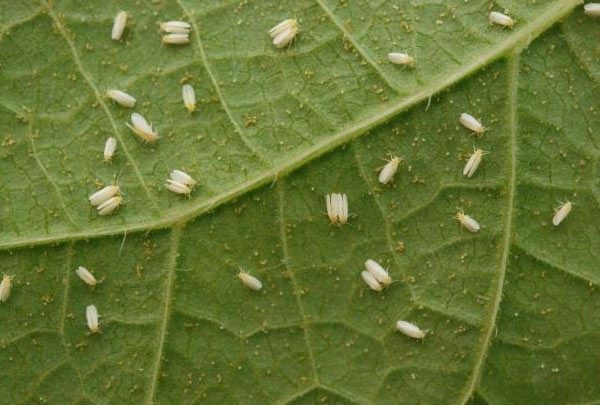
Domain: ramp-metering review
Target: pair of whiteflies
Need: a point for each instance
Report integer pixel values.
(376, 277)
(180, 182)
(107, 200)
(175, 32)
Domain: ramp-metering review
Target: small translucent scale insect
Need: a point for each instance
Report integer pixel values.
(180, 182)
(371, 281)
(109, 206)
(472, 123)
(176, 27)
(249, 280)
(121, 97)
(467, 222)
(109, 149)
(119, 25)
(189, 97)
(562, 212)
(337, 208)
(5, 287)
(176, 39)
(501, 19)
(103, 195)
(377, 271)
(410, 329)
(401, 58)
(86, 276)
(473, 163)
(389, 170)
(91, 315)
(284, 33)
(141, 128)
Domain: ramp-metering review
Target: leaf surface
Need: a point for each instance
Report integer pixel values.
(511, 312)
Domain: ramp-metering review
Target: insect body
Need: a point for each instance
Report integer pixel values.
(141, 128)
(400, 58)
(467, 222)
(471, 123)
(371, 281)
(121, 97)
(5, 287)
(86, 276)
(378, 272)
(189, 97)
(410, 329)
(284, 33)
(562, 212)
(250, 281)
(337, 208)
(389, 170)
(473, 163)
(501, 19)
(91, 314)
(109, 149)
(119, 25)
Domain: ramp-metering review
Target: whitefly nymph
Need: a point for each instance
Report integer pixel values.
(337, 208)
(389, 170)
(85, 275)
(119, 25)
(122, 98)
(471, 123)
(473, 163)
(91, 315)
(401, 58)
(377, 271)
(250, 281)
(189, 97)
(175, 27)
(141, 128)
(467, 222)
(410, 329)
(110, 146)
(501, 19)
(371, 281)
(562, 212)
(5, 287)
(284, 33)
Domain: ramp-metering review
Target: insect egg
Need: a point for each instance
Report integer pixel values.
(91, 314)
(501, 19)
(562, 212)
(119, 25)
(410, 329)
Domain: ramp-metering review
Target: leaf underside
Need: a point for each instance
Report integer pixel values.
(512, 313)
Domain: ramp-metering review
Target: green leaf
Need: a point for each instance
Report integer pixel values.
(511, 312)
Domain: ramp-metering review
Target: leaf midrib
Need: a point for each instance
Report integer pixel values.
(516, 40)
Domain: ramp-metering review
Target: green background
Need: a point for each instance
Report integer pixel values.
(512, 312)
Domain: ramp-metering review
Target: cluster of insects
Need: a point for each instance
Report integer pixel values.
(108, 199)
